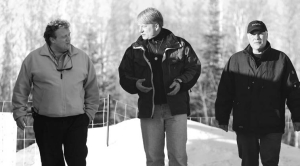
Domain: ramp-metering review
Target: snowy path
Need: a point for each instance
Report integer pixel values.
(207, 146)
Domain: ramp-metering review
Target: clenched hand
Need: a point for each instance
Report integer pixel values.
(140, 87)
(21, 122)
(176, 89)
(296, 126)
(224, 127)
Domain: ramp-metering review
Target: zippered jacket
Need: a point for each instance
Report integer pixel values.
(179, 62)
(56, 93)
(257, 95)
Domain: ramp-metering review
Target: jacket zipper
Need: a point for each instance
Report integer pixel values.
(164, 57)
(65, 62)
(153, 105)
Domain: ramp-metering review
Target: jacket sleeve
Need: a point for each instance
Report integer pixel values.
(91, 97)
(192, 68)
(22, 90)
(126, 72)
(225, 96)
(292, 90)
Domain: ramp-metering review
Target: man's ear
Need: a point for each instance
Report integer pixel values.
(52, 39)
(156, 26)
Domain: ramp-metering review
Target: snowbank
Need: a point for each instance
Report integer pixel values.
(207, 146)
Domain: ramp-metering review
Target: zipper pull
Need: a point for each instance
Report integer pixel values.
(61, 75)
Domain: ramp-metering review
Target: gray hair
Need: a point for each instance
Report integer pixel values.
(151, 16)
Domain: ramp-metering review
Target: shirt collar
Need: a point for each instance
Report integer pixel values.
(53, 54)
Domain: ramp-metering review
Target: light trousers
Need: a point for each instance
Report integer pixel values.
(165, 126)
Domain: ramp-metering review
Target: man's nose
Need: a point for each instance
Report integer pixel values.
(256, 36)
(69, 38)
(140, 29)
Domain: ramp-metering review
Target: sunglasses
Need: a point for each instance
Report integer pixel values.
(66, 67)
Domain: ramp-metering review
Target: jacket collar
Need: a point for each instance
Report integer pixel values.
(265, 53)
(45, 50)
(169, 37)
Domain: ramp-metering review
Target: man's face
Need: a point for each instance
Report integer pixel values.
(62, 41)
(148, 31)
(258, 40)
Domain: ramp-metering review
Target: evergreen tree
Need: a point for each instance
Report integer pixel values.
(204, 93)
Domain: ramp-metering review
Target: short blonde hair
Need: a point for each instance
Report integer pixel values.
(151, 16)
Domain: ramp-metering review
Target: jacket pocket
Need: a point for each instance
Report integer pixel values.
(175, 68)
(241, 116)
(87, 119)
(38, 100)
(269, 121)
(142, 71)
(270, 117)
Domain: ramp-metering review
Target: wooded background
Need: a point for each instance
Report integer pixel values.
(105, 28)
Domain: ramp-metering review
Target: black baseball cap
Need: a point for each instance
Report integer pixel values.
(256, 25)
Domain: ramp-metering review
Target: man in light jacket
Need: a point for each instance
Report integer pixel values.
(65, 97)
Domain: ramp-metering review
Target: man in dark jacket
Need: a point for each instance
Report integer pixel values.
(160, 67)
(256, 83)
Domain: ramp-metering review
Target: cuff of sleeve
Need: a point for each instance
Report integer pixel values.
(19, 113)
(178, 80)
(90, 117)
(223, 122)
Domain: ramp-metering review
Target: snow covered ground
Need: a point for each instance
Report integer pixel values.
(207, 146)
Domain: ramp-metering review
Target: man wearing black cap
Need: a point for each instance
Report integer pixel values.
(255, 84)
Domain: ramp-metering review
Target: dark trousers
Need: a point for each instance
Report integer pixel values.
(62, 139)
(250, 145)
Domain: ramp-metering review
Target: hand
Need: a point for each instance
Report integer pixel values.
(140, 87)
(176, 89)
(224, 127)
(296, 126)
(21, 122)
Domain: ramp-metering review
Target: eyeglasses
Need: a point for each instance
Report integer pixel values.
(69, 66)
(66, 67)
